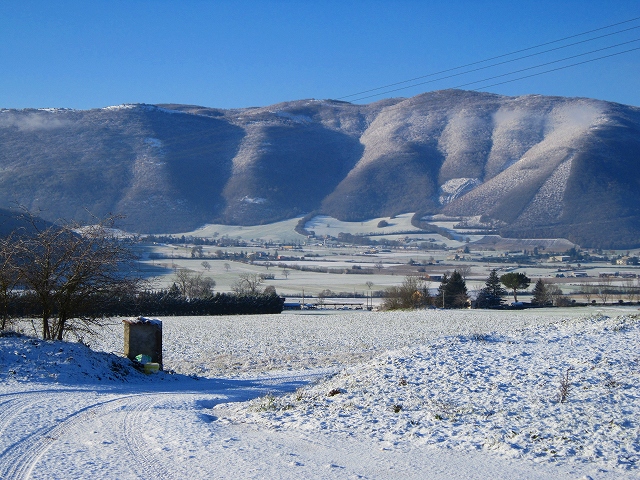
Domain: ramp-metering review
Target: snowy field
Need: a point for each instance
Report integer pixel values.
(434, 394)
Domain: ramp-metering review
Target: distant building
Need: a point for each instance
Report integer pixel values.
(627, 261)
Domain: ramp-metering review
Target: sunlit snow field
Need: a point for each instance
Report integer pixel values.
(249, 344)
(458, 379)
(459, 394)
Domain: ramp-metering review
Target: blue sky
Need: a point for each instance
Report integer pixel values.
(228, 54)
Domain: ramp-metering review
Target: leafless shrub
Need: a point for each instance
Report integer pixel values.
(479, 337)
(565, 384)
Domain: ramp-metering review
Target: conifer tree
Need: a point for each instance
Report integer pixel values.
(452, 292)
(491, 294)
(540, 294)
(515, 281)
(456, 291)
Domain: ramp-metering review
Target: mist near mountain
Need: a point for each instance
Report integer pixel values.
(531, 166)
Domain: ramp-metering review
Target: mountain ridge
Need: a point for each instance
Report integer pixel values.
(533, 165)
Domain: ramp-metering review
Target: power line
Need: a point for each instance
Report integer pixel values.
(502, 75)
(493, 64)
(492, 58)
(556, 69)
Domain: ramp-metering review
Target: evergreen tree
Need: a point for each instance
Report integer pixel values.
(541, 294)
(455, 291)
(452, 292)
(491, 295)
(174, 291)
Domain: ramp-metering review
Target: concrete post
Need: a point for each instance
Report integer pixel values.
(143, 336)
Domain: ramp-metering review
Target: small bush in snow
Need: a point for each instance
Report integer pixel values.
(565, 384)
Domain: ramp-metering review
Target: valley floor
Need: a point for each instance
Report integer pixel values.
(435, 394)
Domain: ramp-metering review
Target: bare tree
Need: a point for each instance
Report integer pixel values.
(464, 271)
(68, 267)
(285, 273)
(604, 289)
(588, 291)
(323, 295)
(206, 265)
(9, 278)
(248, 284)
(556, 297)
(630, 289)
(193, 285)
(227, 267)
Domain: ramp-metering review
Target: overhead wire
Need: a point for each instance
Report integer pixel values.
(506, 74)
(495, 58)
(496, 64)
(556, 69)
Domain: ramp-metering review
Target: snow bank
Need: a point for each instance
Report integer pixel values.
(566, 392)
(27, 360)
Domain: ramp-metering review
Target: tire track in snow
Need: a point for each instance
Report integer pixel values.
(9, 411)
(147, 464)
(19, 459)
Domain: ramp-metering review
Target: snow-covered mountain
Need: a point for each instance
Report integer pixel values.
(538, 166)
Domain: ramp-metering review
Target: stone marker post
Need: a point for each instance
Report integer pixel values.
(143, 336)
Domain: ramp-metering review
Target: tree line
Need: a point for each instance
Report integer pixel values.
(414, 293)
(452, 292)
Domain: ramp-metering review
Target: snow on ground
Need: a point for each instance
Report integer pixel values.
(435, 394)
(325, 225)
(250, 344)
(500, 393)
(277, 231)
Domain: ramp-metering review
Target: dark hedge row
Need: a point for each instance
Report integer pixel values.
(158, 304)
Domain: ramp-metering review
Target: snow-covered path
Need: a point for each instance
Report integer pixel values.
(99, 431)
(79, 433)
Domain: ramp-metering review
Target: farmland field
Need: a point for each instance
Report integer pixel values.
(250, 344)
(294, 263)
